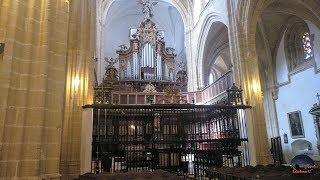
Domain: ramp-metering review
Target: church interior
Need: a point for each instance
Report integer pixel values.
(190, 89)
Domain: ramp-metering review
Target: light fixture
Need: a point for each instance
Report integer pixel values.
(255, 86)
(76, 83)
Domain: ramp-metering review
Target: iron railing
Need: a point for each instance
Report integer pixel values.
(186, 139)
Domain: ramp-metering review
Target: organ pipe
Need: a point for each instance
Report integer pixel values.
(149, 58)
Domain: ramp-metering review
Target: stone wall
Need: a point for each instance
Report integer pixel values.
(32, 83)
(46, 76)
(79, 82)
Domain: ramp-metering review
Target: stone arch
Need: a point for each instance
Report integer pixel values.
(250, 12)
(257, 13)
(279, 9)
(295, 30)
(210, 21)
(104, 5)
(287, 10)
(181, 7)
(102, 10)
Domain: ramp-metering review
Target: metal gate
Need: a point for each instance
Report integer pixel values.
(185, 139)
(276, 151)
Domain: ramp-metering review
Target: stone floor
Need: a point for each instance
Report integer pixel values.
(155, 175)
(266, 173)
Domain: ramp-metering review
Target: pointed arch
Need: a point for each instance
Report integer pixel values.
(210, 20)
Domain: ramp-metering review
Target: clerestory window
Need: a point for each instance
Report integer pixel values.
(307, 46)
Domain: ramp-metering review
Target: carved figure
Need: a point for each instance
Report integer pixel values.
(182, 66)
(111, 73)
(147, 8)
(111, 61)
(182, 77)
(150, 88)
(123, 47)
(171, 51)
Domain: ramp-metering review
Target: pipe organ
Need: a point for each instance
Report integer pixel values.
(147, 58)
(146, 72)
(131, 130)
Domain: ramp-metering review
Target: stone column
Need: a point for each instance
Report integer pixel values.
(269, 98)
(191, 63)
(79, 83)
(257, 132)
(32, 81)
(246, 73)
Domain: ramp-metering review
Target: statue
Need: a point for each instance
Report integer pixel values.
(111, 73)
(182, 66)
(150, 88)
(171, 51)
(160, 35)
(123, 47)
(147, 8)
(111, 62)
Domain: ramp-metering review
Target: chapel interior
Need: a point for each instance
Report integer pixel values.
(158, 89)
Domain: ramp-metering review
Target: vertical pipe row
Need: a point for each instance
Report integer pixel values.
(149, 64)
(134, 65)
(152, 64)
(157, 71)
(165, 72)
(147, 56)
(160, 67)
(137, 66)
(144, 56)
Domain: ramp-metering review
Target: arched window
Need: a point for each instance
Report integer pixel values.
(210, 78)
(298, 44)
(307, 46)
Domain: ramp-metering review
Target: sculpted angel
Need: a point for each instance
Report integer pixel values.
(147, 8)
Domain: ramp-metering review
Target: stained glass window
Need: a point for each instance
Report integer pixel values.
(307, 46)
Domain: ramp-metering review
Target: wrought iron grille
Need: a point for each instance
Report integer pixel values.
(185, 139)
(276, 151)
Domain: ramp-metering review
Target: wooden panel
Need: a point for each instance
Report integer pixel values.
(141, 99)
(132, 99)
(115, 98)
(159, 99)
(176, 100)
(123, 99)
